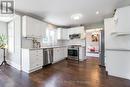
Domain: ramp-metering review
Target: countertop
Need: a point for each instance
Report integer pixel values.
(47, 47)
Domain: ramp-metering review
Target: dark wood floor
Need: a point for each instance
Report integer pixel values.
(66, 73)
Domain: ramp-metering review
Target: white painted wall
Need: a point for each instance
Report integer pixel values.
(14, 58)
(3, 30)
(116, 62)
(95, 25)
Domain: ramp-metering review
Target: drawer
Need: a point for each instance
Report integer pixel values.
(36, 63)
(34, 66)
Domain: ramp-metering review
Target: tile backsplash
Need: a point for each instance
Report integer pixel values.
(74, 42)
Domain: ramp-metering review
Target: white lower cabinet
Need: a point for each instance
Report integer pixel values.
(1, 55)
(32, 60)
(65, 52)
(59, 53)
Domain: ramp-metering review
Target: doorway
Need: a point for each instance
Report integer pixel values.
(95, 44)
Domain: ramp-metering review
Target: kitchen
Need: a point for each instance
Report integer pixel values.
(68, 45)
(46, 44)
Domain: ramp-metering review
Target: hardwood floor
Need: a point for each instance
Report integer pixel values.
(66, 73)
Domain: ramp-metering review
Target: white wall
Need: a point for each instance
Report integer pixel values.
(3, 30)
(14, 57)
(116, 61)
(95, 25)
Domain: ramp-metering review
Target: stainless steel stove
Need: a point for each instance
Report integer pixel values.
(73, 52)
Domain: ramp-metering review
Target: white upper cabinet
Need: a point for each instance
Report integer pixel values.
(59, 33)
(33, 27)
(43, 29)
(122, 19)
(77, 30)
(62, 34)
(65, 35)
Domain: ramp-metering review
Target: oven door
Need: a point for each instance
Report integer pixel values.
(73, 52)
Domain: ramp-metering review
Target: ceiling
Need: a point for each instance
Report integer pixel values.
(59, 12)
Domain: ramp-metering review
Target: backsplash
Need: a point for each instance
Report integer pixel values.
(74, 42)
(27, 43)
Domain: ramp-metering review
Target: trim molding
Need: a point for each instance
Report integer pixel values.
(14, 65)
(118, 49)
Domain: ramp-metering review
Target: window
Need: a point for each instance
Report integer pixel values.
(51, 37)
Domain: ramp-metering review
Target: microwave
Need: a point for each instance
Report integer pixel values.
(75, 36)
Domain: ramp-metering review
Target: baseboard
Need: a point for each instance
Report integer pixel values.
(81, 59)
(14, 65)
(58, 60)
(117, 76)
(102, 66)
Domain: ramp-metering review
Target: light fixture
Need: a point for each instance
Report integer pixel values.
(97, 12)
(76, 16)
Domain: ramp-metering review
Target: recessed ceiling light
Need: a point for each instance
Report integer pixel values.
(97, 12)
(76, 16)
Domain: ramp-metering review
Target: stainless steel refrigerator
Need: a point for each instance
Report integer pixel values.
(101, 49)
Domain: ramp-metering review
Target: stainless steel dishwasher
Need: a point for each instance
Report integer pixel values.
(47, 56)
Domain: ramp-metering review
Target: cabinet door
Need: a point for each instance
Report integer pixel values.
(33, 59)
(59, 53)
(29, 27)
(37, 29)
(33, 27)
(56, 54)
(70, 31)
(59, 33)
(77, 30)
(36, 58)
(43, 29)
(65, 35)
(1, 55)
(65, 52)
(39, 58)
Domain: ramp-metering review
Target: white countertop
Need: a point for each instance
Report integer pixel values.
(49, 47)
(45, 47)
